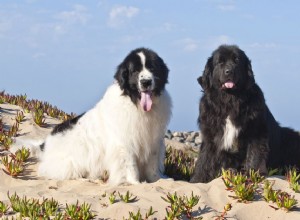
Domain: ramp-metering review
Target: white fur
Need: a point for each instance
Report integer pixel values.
(145, 73)
(230, 135)
(115, 136)
(31, 144)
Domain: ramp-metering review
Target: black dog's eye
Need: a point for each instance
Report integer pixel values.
(236, 59)
(221, 60)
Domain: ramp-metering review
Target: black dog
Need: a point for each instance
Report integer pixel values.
(238, 130)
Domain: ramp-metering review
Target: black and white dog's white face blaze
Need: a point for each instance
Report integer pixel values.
(142, 75)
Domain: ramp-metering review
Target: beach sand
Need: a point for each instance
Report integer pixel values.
(213, 195)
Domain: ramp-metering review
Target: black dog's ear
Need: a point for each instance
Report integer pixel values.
(122, 75)
(251, 80)
(199, 79)
(205, 79)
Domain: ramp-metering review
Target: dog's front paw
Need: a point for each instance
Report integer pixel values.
(165, 177)
(157, 177)
(129, 183)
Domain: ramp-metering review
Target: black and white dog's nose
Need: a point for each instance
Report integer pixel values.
(146, 83)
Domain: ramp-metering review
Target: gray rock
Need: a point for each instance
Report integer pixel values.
(190, 139)
(194, 134)
(198, 140)
(168, 134)
(191, 144)
(177, 134)
(178, 139)
(185, 134)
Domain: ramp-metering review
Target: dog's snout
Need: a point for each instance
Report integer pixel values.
(228, 71)
(146, 83)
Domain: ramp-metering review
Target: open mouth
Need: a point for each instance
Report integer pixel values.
(228, 85)
(146, 100)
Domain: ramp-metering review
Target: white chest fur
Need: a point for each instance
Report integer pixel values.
(230, 135)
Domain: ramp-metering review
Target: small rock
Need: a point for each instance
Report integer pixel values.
(194, 134)
(177, 134)
(185, 134)
(168, 134)
(191, 144)
(178, 139)
(190, 139)
(198, 140)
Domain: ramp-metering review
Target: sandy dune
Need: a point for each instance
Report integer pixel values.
(213, 195)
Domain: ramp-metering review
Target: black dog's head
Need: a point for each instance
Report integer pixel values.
(142, 75)
(228, 69)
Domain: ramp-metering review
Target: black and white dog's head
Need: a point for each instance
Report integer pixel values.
(142, 75)
(228, 69)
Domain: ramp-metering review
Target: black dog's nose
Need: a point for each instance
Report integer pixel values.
(146, 83)
(228, 71)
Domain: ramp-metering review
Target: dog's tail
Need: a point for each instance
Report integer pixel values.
(290, 146)
(35, 146)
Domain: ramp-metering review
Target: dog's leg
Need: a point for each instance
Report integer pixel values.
(151, 167)
(207, 165)
(154, 167)
(123, 168)
(256, 157)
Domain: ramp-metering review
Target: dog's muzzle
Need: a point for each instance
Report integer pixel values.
(146, 84)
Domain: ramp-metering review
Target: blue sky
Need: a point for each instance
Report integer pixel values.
(66, 52)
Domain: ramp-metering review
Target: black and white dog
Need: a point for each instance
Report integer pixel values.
(123, 134)
(238, 130)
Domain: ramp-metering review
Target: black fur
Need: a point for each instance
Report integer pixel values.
(128, 71)
(66, 125)
(261, 141)
(42, 146)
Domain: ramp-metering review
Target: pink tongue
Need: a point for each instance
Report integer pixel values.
(146, 101)
(229, 85)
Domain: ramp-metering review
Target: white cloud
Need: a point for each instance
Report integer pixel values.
(119, 15)
(59, 29)
(79, 14)
(31, 1)
(191, 46)
(38, 55)
(168, 26)
(188, 44)
(102, 3)
(227, 6)
(5, 26)
(222, 39)
(263, 45)
(248, 16)
(131, 38)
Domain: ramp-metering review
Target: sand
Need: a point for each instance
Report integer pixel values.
(213, 196)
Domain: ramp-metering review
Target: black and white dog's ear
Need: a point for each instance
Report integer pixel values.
(122, 75)
(205, 79)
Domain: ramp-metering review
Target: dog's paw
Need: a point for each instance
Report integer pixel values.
(167, 178)
(127, 183)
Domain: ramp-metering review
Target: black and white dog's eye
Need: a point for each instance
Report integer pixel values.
(236, 59)
(151, 69)
(134, 72)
